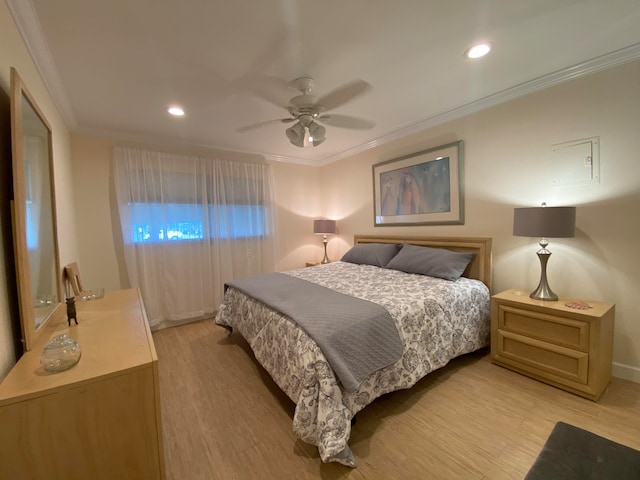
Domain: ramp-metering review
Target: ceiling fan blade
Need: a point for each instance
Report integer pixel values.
(345, 121)
(255, 126)
(271, 89)
(342, 95)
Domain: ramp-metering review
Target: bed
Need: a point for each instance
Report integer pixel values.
(435, 320)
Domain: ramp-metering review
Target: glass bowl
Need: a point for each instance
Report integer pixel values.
(91, 294)
(60, 354)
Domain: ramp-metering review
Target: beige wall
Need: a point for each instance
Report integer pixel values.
(13, 53)
(508, 163)
(299, 201)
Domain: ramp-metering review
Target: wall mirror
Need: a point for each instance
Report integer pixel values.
(35, 235)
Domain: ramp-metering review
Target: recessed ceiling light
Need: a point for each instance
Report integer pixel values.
(175, 111)
(477, 51)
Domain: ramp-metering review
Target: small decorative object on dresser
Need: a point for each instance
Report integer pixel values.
(554, 342)
(71, 310)
(60, 354)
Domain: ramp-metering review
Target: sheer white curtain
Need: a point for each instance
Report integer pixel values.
(189, 224)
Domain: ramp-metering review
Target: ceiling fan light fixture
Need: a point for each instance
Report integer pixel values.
(302, 136)
(478, 50)
(296, 134)
(316, 134)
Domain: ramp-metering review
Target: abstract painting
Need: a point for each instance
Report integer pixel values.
(420, 189)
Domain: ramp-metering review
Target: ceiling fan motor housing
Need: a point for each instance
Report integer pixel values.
(305, 105)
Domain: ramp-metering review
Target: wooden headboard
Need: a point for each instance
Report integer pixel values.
(480, 266)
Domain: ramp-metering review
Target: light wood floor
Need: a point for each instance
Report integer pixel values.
(224, 418)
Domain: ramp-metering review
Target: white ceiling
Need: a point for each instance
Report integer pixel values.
(114, 66)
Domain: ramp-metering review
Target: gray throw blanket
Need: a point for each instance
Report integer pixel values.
(358, 337)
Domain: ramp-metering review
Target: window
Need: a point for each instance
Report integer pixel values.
(157, 222)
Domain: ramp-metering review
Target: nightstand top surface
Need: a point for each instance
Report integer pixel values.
(519, 296)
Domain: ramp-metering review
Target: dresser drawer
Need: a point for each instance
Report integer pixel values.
(566, 332)
(542, 358)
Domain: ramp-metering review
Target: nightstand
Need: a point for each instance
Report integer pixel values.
(566, 347)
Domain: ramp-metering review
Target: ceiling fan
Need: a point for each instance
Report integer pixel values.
(308, 111)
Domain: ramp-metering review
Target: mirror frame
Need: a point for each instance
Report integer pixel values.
(30, 332)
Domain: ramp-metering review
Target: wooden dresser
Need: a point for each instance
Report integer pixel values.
(565, 347)
(98, 420)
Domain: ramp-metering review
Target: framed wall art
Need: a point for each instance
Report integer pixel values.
(423, 188)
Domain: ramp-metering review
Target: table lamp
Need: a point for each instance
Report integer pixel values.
(324, 227)
(543, 222)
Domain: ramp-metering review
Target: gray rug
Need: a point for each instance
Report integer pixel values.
(572, 453)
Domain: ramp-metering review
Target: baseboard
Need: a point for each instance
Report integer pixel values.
(626, 372)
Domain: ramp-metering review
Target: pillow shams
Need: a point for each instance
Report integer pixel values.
(434, 262)
(376, 254)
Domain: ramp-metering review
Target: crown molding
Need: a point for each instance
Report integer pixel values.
(26, 19)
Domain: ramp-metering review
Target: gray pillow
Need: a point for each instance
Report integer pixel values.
(434, 262)
(376, 254)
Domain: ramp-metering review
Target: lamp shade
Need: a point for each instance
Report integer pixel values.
(324, 226)
(296, 134)
(544, 222)
(316, 133)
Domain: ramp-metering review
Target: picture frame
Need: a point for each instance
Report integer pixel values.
(422, 188)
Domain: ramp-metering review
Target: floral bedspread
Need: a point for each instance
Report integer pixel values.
(437, 320)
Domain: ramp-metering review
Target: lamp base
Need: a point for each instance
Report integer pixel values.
(325, 259)
(543, 291)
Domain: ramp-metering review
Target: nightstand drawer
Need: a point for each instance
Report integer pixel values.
(542, 358)
(557, 330)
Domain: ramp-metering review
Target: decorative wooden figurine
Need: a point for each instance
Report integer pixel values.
(71, 310)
